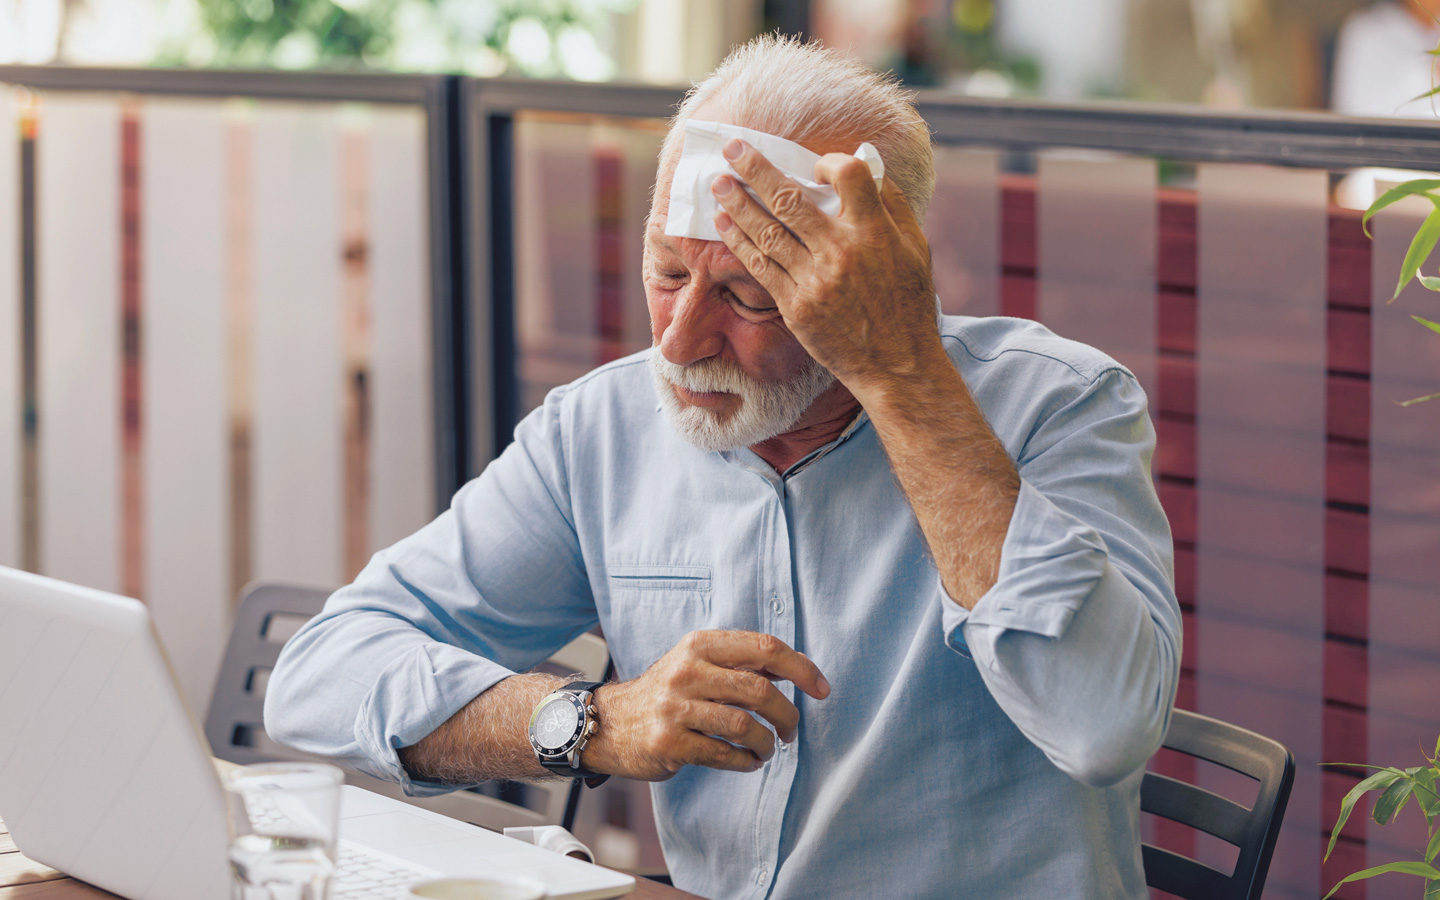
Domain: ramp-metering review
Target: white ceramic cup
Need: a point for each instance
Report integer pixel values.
(490, 888)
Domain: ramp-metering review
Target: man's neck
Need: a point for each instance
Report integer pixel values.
(825, 420)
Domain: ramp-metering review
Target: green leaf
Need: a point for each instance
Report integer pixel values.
(1380, 780)
(1415, 400)
(1430, 93)
(1406, 867)
(1420, 247)
(1399, 192)
(1433, 848)
(1433, 326)
(1425, 794)
(1432, 889)
(1430, 283)
(1392, 801)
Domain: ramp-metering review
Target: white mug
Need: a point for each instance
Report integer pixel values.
(486, 888)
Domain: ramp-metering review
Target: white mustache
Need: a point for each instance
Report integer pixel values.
(706, 376)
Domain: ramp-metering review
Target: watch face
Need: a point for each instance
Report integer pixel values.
(556, 724)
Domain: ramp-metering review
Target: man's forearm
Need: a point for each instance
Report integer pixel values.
(956, 474)
(488, 739)
(688, 708)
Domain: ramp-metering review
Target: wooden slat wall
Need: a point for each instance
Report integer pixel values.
(1347, 461)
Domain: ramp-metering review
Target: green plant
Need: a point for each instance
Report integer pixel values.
(1397, 787)
(543, 38)
(1424, 241)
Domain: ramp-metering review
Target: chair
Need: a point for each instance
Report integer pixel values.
(1252, 830)
(269, 614)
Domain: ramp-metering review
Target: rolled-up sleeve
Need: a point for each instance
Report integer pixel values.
(492, 587)
(1079, 638)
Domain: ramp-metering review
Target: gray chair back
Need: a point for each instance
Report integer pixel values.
(1253, 830)
(268, 615)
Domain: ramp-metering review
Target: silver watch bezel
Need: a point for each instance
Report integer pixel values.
(567, 752)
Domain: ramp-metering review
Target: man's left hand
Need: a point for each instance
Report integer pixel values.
(854, 289)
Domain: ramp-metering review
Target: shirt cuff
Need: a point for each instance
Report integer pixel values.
(1050, 562)
(415, 695)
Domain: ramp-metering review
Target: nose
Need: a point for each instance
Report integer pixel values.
(692, 331)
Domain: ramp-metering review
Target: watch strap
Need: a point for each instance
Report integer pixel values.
(561, 767)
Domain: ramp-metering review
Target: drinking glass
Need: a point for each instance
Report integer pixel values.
(282, 819)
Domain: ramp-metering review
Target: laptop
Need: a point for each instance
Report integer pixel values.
(105, 775)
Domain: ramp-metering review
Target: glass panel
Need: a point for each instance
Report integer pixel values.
(556, 318)
(1247, 320)
(10, 338)
(298, 365)
(1260, 480)
(1096, 247)
(582, 189)
(1404, 636)
(963, 227)
(402, 461)
(186, 432)
(209, 274)
(78, 187)
(636, 150)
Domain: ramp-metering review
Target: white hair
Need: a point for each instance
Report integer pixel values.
(807, 93)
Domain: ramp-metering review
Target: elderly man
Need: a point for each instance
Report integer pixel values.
(889, 598)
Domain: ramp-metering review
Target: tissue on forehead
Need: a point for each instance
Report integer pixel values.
(692, 205)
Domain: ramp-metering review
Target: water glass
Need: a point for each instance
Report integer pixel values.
(283, 819)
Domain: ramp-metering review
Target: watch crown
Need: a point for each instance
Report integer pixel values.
(592, 710)
(589, 729)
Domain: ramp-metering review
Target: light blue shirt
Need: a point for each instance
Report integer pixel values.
(994, 753)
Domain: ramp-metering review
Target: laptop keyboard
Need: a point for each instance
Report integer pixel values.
(363, 875)
(360, 873)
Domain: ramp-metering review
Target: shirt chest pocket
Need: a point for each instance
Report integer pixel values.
(651, 608)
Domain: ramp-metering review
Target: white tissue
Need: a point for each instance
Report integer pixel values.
(551, 837)
(692, 205)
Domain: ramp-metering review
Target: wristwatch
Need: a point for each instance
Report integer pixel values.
(561, 727)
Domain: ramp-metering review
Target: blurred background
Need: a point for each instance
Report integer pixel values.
(1302, 54)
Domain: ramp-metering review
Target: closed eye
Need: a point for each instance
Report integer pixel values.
(759, 310)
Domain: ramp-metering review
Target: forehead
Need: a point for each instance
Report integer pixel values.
(692, 251)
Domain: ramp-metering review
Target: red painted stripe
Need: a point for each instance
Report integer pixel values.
(132, 518)
(355, 339)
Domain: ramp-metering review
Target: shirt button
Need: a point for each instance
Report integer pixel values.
(781, 745)
(777, 605)
(762, 876)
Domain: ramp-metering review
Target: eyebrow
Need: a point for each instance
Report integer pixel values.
(662, 242)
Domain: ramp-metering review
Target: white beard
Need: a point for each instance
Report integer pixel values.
(767, 408)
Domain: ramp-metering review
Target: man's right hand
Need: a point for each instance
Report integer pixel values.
(690, 707)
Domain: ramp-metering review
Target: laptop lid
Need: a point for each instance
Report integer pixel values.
(105, 776)
(103, 773)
